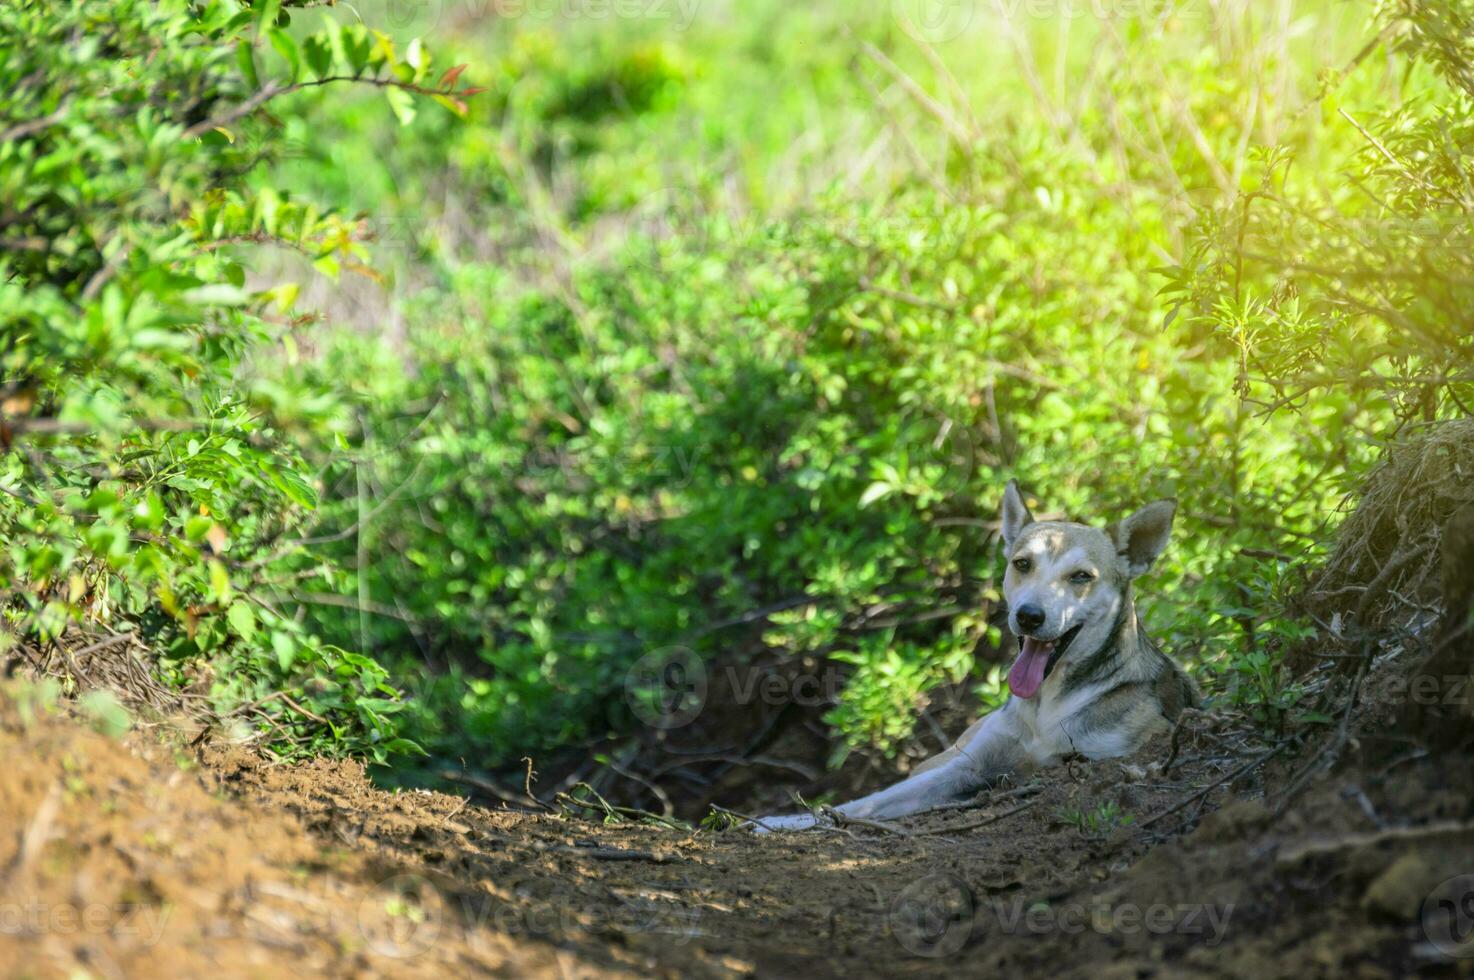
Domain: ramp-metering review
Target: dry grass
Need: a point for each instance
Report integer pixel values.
(1383, 573)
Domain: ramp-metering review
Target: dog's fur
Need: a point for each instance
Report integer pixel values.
(1106, 688)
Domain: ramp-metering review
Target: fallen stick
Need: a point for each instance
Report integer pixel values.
(1314, 847)
(976, 803)
(36, 835)
(1177, 734)
(1253, 763)
(613, 810)
(487, 786)
(985, 821)
(842, 821)
(742, 816)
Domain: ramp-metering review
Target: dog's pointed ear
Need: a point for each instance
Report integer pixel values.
(1142, 537)
(1016, 515)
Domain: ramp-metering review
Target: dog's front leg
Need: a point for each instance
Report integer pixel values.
(986, 752)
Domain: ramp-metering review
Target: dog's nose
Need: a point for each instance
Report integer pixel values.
(1030, 617)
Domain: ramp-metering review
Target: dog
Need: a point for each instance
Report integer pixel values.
(1087, 680)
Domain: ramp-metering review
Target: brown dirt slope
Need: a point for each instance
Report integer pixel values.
(143, 857)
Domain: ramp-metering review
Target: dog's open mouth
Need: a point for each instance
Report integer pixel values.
(1035, 660)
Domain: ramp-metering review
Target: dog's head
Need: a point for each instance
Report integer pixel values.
(1065, 579)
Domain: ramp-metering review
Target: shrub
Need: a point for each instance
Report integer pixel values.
(153, 471)
(633, 381)
(801, 430)
(789, 428)
(1358, 277)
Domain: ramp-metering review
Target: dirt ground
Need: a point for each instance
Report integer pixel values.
(146, 857)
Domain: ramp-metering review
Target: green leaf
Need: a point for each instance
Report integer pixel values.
(218, 294)
(403, 104)
(106, 712)
(266, 14)
(287, 48)
(357, 45)
(289, 482)
(161, 339)
(245, 57)
(319, 53)
(219, 581)
(197, 526)
(242, 619)
(284, 645)
(403, 746)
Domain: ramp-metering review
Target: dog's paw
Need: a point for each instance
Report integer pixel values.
(795, 821)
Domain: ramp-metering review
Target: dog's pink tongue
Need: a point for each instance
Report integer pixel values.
(1027, 673)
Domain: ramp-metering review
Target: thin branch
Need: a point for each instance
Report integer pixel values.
(22, 130)
(347, 602)
(741, 816)
(959, 133)
(56, 427)
(1367, 135)
(1253, 763)
(842, 820)
(983, 822)
(272, 89)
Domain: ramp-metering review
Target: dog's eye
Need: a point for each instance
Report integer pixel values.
(1022, 564)
(1081, 577)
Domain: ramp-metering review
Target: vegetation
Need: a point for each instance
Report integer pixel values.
(155, 472)
(713, 335)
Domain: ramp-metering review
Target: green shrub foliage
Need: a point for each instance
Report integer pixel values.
(721, 335)
(790, 426)
(1365, 281)
(154, 422)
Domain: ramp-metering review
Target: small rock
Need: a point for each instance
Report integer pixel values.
(1399, 891)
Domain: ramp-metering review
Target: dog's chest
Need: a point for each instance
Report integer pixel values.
(1043, 723)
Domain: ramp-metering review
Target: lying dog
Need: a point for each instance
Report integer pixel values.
(1087, 680)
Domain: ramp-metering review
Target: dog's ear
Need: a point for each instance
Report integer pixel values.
(1016, 515)
(1142, 537)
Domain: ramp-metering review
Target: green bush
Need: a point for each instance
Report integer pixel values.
(1360, 279)
(805, 423)
(153, 417)
(722, 338)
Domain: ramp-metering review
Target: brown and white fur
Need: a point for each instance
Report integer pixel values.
(1087, 680)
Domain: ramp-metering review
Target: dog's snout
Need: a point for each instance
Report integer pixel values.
(1030, 616)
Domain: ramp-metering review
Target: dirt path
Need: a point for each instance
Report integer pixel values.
(145, 858)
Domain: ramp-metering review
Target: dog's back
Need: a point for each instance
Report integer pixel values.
(1174, 689)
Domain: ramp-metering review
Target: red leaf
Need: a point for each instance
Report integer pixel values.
(451, 74)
